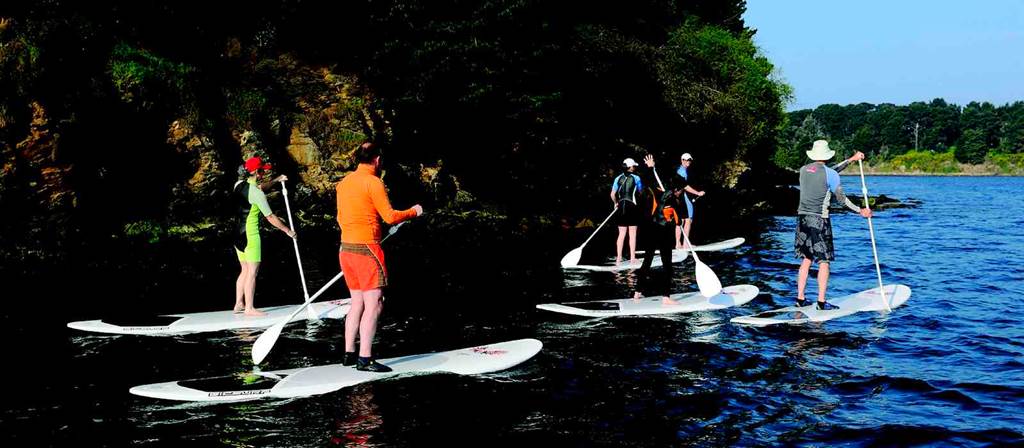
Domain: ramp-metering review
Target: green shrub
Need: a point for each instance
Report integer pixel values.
(925, 161)
(1007, 163)
(151, 82)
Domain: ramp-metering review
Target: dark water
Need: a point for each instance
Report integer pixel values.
(945, 369)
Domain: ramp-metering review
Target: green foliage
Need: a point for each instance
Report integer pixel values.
(153, 83)
(153, 231)
(792, 153)
(716, 78)
(19, 70)
(972, 147)
(886, 131)
(245, 105)
(1012, 138)
(1008, 163)
(503, 92)
(148, 230)
(922, 161)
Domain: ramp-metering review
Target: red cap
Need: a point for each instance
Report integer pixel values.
(254, 164)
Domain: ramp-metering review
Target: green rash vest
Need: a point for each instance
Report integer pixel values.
(251, 203)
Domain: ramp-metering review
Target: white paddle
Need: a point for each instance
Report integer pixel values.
(295, 241)
(707, 280)
(573, 257)
(261, 348)
(871, 228)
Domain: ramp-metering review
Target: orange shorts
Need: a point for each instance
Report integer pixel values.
(363, 265)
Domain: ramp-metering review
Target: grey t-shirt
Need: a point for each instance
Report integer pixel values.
(818, 183)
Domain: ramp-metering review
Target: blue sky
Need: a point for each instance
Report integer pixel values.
(894, 51)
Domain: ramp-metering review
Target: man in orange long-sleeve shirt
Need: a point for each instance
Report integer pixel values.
(362, 203)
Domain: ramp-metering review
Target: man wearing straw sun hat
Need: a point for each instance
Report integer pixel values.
(818, 184)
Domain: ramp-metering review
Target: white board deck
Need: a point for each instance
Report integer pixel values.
(678, 256)
(869, 300)
(316, 380)
(218, 320)
(711, 247)
(685, 303)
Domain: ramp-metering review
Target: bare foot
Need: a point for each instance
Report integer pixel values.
(668, 301)
(254, 312)
(618, 261)
(637, 296)
(239, 307)
(632, 261)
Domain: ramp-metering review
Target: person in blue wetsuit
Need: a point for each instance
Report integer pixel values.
(625, 189)
(686, 214)
(819, 184)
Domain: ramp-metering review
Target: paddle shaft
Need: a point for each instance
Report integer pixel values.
(871, 230)
(598, 228)
(337, 277)
(295, 242)
(264, 343)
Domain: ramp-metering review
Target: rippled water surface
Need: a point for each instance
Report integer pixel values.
(946, 368)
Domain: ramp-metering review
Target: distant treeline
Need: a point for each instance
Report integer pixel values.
(971, 133)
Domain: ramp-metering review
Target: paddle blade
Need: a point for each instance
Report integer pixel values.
(265, 342)
(573, 257)
(707, 281)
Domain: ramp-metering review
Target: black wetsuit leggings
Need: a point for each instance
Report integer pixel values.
(663, 239)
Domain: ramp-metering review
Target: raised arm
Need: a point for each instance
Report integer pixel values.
(842, 165)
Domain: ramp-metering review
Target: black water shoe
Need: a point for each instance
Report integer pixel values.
(802, 303)
(349, 359)
(369, 365)
(825, 306)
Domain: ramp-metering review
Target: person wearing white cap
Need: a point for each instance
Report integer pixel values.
(818, 184)
(625, 189)
(683, 176)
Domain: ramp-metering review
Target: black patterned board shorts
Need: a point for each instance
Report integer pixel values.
(814, 239)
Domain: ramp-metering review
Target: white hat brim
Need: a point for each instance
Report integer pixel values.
(821, 155)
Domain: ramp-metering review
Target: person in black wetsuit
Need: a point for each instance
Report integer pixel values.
(625, 188)
(659, 230)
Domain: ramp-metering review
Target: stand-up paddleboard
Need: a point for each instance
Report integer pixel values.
(316, 380)
(685, 303)
(721, 245)
(869, 300)
(678, 256)
(173, 324)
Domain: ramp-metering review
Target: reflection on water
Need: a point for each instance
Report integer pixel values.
(363, 419)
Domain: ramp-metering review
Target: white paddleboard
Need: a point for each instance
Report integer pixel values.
(173, 324)
(685, 303)
(677, 257)
(316, 380)
(869, 300)
(711, 247)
